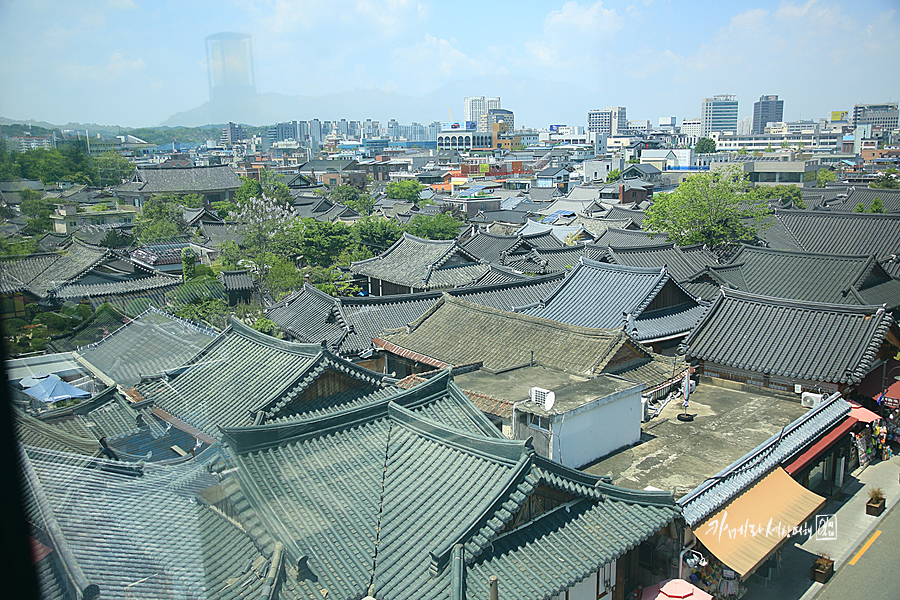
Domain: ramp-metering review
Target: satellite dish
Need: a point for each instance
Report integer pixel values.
(549, 399)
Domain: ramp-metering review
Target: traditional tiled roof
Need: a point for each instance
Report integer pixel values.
(456, 332)
(423, 264)
(243, 373)
(490, 247)
(498, 275)
(799, 340)
(350, 539)
(562, 232)
(41, 274)
(349, 324)
(151, 344)
(142, 531)
(624, 238)
(865, 196)
(681, 262)
(831, 232)
(181, 181)
(553, 260)
(834, 278)
(236, 280)
(617, 213)
(599, 295)
(219, 233)
(716, 491)
(76, 291)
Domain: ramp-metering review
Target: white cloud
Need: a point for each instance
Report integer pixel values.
(574, 34)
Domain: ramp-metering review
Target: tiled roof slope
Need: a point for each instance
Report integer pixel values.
(76, 291)
(244, 372)
(423, 264)
(41, 274)
(803, 340)
(713, 493)
(405, 468)
(182, 181)
(833, 278)
(456, 332)
(147, 536)
(236, 280)
(831, 232)
(681, 262)
(490, 247)
(599, 295)
(617, 213)
(349, 324)
(219, 233)
(151, 344)
(625, 238)
(553, 260)
(865, 195)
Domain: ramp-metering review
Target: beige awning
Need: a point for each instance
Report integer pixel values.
(745, 531)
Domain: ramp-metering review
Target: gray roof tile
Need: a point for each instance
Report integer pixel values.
(786, 337)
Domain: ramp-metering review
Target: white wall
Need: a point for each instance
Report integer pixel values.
(598, 428)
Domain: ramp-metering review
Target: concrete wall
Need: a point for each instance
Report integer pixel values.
(598, 428)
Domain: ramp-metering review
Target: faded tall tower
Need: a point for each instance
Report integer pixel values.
(229, 63)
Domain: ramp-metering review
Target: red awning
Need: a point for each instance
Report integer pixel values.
(862, 414)
(875, 383)
(819, 448)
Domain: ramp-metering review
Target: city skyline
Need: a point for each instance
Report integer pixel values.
(143, 64)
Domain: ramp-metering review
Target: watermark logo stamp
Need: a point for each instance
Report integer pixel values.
(826, 528)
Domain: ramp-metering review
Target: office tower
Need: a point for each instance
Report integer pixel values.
(769, 109)
(475, 106)
(283, 131)
(231, 134)
(496, 115)
(669, 124)
(876, 115)
(719, 113)
(607, 122)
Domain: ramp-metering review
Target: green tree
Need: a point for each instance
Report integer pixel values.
(439, 227)
(709, 208)
(824, 177)
(743, 150)
(266, 326)
(785, 144)
(376, 233)
(860, 208)
(115, 238)
(323, 242)
(877, 206)
(37, 209)
(407, 189)
(786, 193)
(885, 181)
(187, 263)
(281, 276)
(250, 188)
(705, 145)
(613, 175)
(112, 168)
(769, 148)
(159, 220)
(333, 281)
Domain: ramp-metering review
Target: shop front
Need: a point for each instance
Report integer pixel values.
(745, 535)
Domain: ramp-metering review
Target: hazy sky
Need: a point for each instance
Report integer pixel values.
(136, 63)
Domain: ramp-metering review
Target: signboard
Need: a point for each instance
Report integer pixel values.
(555, 128)
(839, 115)
(484, 168)
(458, 126)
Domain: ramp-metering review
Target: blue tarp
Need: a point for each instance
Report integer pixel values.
(51, 390)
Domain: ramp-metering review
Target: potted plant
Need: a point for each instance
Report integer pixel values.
(822, 569)
(875, 505)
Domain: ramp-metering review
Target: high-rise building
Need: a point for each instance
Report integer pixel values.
(876, 115)
(669, 124)
(496, 115)
(719, 113)
(280, 132)
(607, 122)
(692, 127)
(231, 134)
(475, 106)
(744, 126)
(769, 109)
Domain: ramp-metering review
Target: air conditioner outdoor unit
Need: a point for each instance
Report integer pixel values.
(546, 398)
(810, 400)
(645, 409)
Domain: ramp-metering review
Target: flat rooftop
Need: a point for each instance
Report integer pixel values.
(678, 456)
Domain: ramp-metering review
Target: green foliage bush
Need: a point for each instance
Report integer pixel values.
(13, 326)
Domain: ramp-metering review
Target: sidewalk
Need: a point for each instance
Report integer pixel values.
(853, 526)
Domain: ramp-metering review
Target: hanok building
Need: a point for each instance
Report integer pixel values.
(791, 345)
(414, 264)
(455, 332)
(513, 508)
(348, 325)
(652, 306)
(214, 183)
(831, 278)
(493, 248)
